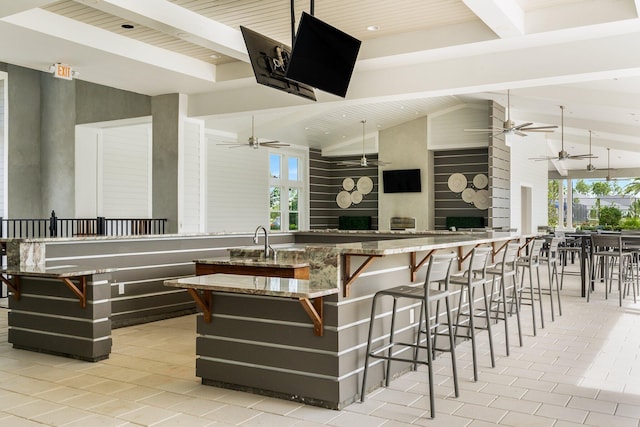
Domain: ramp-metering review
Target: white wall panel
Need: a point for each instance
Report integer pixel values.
(126, 183)
(237, 187)
(191, 206)
(529, 173)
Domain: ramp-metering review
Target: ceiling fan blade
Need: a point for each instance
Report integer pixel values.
(519, 133)
(348, 163)
(519, 127)
(485, 130)
(539, 128)
(582, 156)
(274, 144)
(538, 159)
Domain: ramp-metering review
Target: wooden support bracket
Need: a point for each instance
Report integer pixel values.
(80, 292)
(417, 266)
(462, 257)
(14, 286)
(348, 279)
(315, 310)
(203, 301)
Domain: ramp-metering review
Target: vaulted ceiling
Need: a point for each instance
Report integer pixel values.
(425, 56)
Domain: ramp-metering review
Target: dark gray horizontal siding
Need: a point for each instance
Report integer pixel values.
(48, 318)
(142, 264)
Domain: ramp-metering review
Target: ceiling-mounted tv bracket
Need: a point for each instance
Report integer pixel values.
(293, 18)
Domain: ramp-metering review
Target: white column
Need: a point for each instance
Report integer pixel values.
(569, 203)
(561, 204)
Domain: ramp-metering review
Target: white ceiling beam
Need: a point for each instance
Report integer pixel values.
(179, 22)
(11, 7)
(637, 4)
(504, 17)
(55, 25)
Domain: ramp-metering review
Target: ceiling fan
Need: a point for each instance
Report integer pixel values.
(363, 160)
(590, 166)
(254, 142)
(609, 168)
(563, 155)
(509, 127)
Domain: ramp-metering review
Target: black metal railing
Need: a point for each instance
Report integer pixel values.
(71, 227)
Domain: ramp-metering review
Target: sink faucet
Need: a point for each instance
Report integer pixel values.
(266, 240)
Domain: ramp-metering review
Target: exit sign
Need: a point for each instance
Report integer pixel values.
(63, 71)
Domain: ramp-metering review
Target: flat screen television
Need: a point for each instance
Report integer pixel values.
(269, 60)
(323, 56)
(401, 181)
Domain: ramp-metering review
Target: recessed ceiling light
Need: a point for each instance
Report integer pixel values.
(326, 132)
(214, 56)
(373, 28)
(127, 26)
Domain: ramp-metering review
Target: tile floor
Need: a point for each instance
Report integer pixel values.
(579, 370)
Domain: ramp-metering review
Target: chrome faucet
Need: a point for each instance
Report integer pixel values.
(267, 248)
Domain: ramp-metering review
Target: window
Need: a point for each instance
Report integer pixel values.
(286, 191)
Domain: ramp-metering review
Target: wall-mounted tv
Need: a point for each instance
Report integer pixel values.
(323, 56)
(401, 181)
(270, 59)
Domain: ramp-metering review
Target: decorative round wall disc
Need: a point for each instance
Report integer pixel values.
(348, 184)
(480, 181)
(343, 199)
(356, 197)
(457, 182)
(365, 185)
(468, 194)
(481, 199)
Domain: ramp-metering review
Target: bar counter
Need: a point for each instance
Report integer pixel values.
(256, 340)
(60, 310)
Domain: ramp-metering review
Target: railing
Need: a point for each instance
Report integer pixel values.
(70, 227)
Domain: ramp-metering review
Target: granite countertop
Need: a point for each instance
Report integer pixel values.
(252, 262)
(391, 247)
(255, 285)
(55, 271)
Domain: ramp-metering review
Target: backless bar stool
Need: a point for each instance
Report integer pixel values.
(438, 272)
(475, 277)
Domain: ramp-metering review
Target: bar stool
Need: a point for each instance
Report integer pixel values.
(608, 249)
(438, 272)
(474, 277)
(506, 271)
(531, 262)
(551, 259)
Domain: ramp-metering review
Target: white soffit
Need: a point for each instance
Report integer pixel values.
(504, 17)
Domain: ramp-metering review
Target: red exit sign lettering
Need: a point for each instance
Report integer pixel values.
(63, 71)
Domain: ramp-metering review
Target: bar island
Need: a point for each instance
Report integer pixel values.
(256, 340)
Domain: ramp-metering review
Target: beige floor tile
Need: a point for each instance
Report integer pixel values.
(504, 390)
(516, 405)
(350, 419)
(117, 407)
(186, 420)
(482, 413)
(598, 419)
(402, 413)
(61, 416)
(195, 406)
(518, 419)
(278, 406)
(232, 414)
(562, 413)
(148, 415)
(592, 405)
(444, 420)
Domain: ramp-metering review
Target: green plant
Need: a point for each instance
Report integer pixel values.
(609, 217)
(630, 223)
